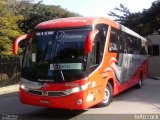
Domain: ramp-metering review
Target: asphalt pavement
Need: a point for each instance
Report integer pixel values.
(132, 104)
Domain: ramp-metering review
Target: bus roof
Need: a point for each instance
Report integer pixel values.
(129, 31)
(81, 22)
(75, 22)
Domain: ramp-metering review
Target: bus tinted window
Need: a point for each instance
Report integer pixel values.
(117, 42)
(122, 42)
(114, 42)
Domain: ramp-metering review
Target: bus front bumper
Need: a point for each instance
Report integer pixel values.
(73, 101)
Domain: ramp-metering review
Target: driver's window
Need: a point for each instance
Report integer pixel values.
(27, 54)
(94, 56)
(99, 45)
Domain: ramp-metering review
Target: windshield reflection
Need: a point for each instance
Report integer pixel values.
(63, 49)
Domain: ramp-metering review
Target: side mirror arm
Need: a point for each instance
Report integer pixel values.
(16, 42)
(89, 41)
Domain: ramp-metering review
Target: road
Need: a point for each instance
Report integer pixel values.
(125, 106)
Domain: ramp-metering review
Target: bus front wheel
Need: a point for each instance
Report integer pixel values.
(107, 96)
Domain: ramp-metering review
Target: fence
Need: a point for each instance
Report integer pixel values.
(9, 71)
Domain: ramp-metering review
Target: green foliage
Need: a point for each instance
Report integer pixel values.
(21, 16)
(36, 13)
(144, 23)
(8, 28)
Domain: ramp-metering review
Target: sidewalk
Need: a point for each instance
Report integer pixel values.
(9, 89)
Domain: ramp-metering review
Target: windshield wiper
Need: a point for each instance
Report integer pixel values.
(59, 67)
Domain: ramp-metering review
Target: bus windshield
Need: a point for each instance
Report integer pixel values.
(56, 55)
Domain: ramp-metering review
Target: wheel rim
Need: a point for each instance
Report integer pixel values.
(106, 95)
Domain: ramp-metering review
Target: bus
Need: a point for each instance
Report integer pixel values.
(78, 62)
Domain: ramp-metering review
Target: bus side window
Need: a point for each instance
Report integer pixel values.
(114, 45)
(129, 44)
(125, 43)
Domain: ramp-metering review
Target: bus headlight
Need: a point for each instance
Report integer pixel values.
(78, 89)
(26, 84)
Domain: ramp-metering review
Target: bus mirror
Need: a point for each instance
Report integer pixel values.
(16, 42)
(89, 41)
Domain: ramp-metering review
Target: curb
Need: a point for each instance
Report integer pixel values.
(9, 89)
(155, 78)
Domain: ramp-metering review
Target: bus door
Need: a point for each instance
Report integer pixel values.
(94, 61)
(96, 56)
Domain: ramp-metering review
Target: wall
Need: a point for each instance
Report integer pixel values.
(154, 52)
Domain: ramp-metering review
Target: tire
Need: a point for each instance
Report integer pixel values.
(139, 85)
(108, 96)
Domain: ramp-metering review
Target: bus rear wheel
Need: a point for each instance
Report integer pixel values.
(108, 96)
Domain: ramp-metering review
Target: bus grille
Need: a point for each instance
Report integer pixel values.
(35, 92)
(56, 94)
(48, 93)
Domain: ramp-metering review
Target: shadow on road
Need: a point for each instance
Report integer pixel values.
(51, 114)
(9, 104)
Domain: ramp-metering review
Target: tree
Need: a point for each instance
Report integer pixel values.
(21, 16)
(8, 28)
(124, 11)
(144, 23)
(37, 12)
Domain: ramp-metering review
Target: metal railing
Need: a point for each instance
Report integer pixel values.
(9, 71)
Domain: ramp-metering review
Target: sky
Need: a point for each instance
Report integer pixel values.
(99, 8)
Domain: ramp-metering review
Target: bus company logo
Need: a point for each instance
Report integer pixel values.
(44, 93)
(45, 80)
(62, 34)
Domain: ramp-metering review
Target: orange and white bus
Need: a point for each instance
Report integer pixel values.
(79, 62)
